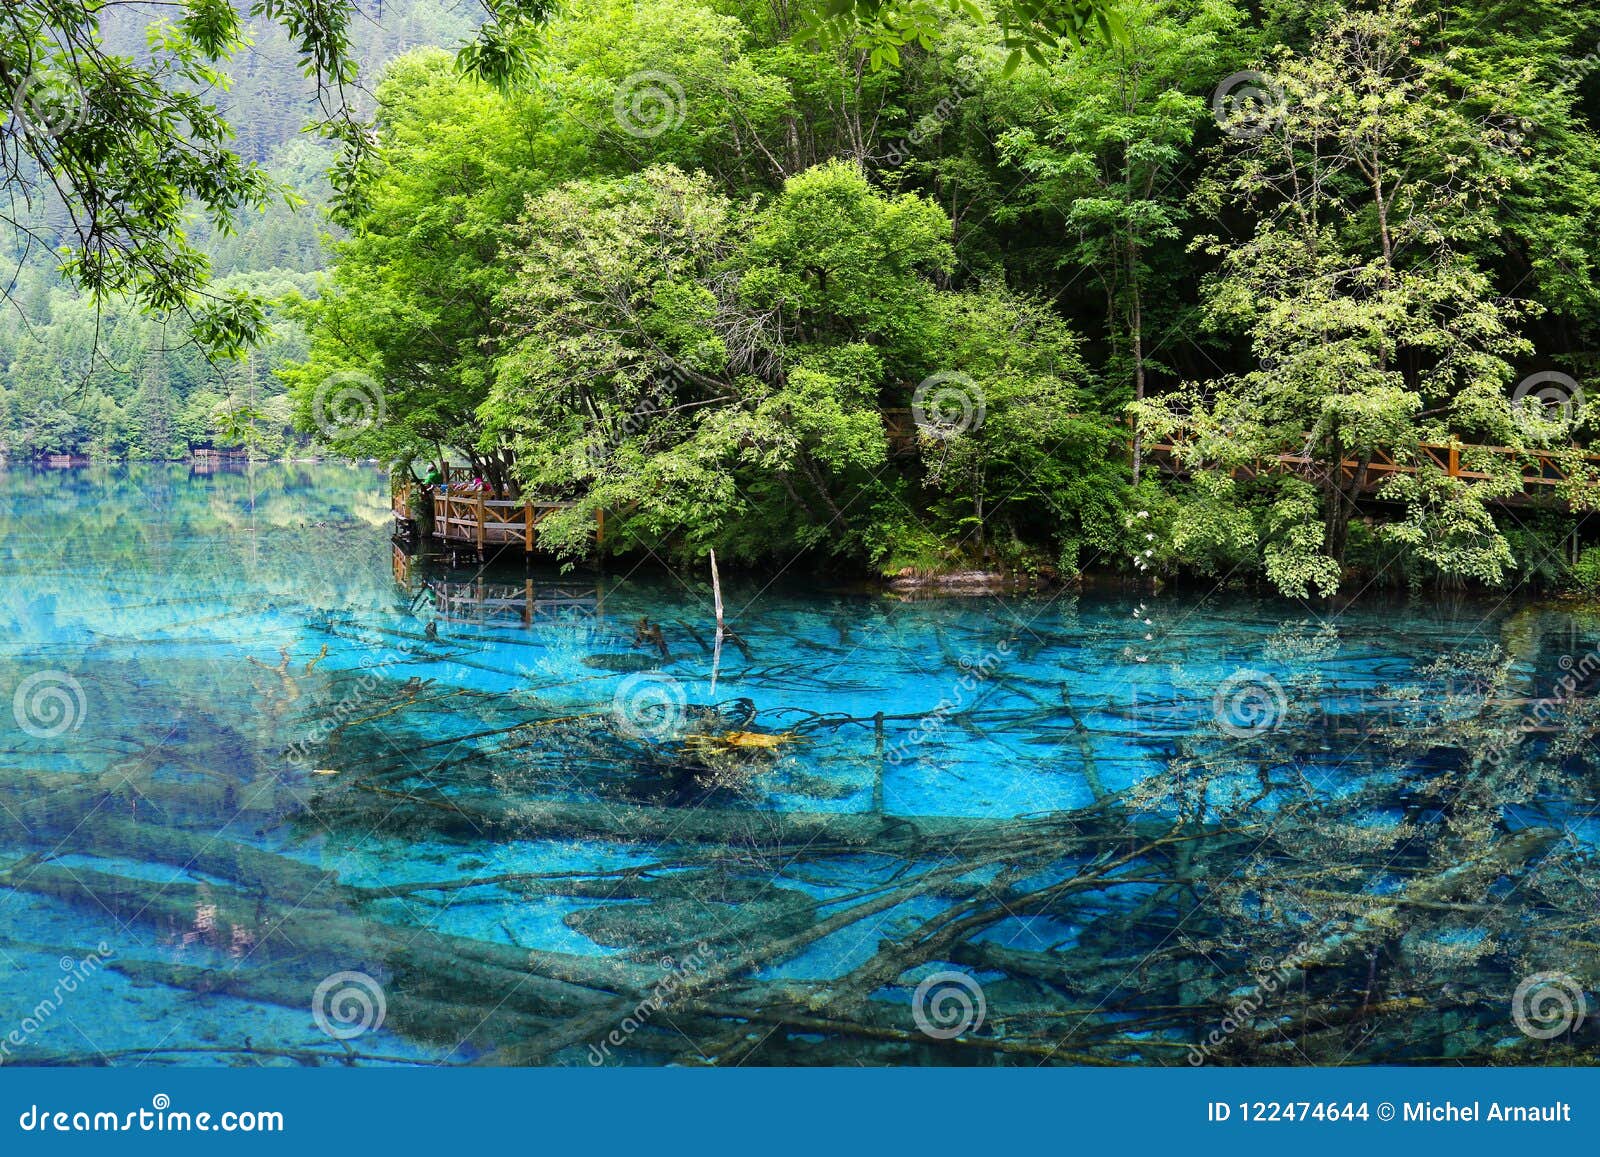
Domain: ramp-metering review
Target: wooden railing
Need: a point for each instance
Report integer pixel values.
(467, 517)
(1539, 468)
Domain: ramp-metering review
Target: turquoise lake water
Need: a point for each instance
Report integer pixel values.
(276, 793)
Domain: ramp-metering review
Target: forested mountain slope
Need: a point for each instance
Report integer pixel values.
(116, 382)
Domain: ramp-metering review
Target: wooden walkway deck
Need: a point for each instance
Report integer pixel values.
(470, 519)
(1543, 471)
(464, 517)
(482, 603)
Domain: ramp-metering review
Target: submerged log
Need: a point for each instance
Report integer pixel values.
(78, 822)
(502, 817)
(546, 983)
(455, 1022)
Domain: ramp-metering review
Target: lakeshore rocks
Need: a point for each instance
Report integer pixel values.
(964, 583)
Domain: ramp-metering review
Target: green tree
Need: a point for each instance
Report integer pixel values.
(410, 304)
(1026, 27)
(1372, 327)
(1103, 137)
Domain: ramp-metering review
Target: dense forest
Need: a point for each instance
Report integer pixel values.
(763, 294)
(923, 300)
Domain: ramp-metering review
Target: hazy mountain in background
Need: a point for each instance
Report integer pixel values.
(119, 384)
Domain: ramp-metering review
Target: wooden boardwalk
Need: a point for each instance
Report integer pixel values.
(466, 517)
(1543, 471)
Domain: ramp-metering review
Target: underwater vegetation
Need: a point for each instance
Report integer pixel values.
(366, 827)
(1374, 901)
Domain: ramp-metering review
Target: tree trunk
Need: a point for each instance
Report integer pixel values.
(1136, 347)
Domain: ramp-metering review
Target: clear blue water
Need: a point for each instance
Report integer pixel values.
(240, 730)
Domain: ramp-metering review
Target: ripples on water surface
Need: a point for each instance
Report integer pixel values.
(251, 802)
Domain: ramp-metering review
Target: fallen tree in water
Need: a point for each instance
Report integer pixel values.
(1249, 902)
